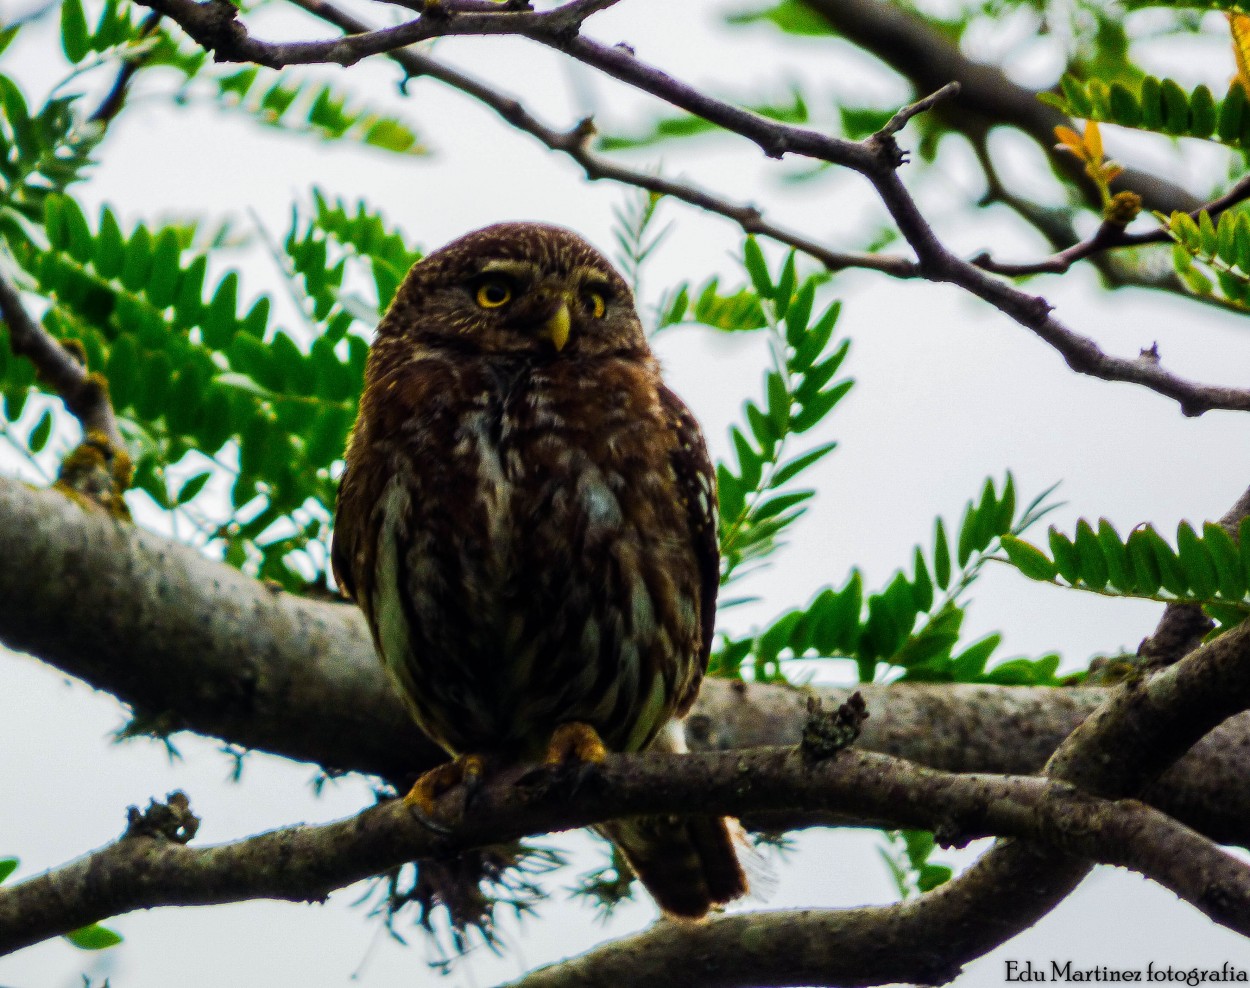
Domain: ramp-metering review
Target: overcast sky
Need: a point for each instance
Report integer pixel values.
(949, 392)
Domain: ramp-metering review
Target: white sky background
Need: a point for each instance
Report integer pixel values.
(949, 392)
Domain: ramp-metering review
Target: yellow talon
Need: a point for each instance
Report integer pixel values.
(427, 790)
(575, 742)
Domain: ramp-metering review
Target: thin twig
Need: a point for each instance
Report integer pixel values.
(577, 143)
(877, 159)
(899, 120)
(85, 394)
(1110, 236)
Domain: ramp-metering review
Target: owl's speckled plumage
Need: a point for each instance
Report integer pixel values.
(528, 521)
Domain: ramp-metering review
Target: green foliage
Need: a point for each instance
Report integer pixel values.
(1211, 569)
(907, 855)
(94, 937)
(757, 501)
(1159, 105)
(791, 16)
(285, 101)
(7, 867)
(1221, 246)
(1228, 6)
(912, 626)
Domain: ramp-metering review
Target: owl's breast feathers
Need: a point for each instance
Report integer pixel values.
(533, 542)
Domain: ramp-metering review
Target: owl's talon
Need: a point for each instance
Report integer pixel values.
(423, 797)
(575, 741)
(427, 821)
(573, 755)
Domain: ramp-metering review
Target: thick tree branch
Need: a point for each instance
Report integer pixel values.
(194, 644)
(146, 869)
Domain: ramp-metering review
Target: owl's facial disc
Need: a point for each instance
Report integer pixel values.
(549, 307)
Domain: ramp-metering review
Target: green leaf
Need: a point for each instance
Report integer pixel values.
(1067, 559)
(220, 321)
(1223, 552)
(931, 876)
(137, 259)
(1028, 559)
(74, 36)
(1074, 93)
(785, 287)
(1146, 575)
(941, 556)
(922, 583)
(790, 470)
(1125, 109)
(1231, 113)
(750, 463)
(110, 246)
(1243, 548)
(1119, 570)
(1175, 107)
(799, 313)
(763, 430)
(1209, 238)
(7, 867)
(778, 402)
(1202, 112)
(757, 268)
(1196, 561)
(191, 489)
(94, 937)
(40, 434)
(1151, 104)
(816, 339)
(1170, 573)
(967, 535)
(1094, 572)
(814, 409)
(837, 627)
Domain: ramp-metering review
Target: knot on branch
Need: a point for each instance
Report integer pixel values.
(171, 820)
(97, 472)
(826, 733)
(216, 26)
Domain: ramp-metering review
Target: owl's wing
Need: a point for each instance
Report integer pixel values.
(360, 490)
(696, 481)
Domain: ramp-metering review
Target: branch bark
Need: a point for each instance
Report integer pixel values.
(193, 644)
(148, 867)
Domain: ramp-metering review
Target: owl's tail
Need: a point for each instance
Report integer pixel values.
(688, 864)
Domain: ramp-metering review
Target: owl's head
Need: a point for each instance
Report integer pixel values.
(517, 288)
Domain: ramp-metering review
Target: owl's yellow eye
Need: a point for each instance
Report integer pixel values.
(595, 303)
(493, 294)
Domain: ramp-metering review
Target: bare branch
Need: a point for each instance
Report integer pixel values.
(215, 26)
(1110, 236)
(877, 159)
(578, 144)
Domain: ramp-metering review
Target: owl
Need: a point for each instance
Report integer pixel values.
(528, 521)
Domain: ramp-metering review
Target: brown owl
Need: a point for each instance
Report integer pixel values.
(528, 521)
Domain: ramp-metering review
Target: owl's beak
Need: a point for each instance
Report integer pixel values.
(557, 326)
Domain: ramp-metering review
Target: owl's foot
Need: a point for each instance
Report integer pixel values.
(575, 742)
(423, 797)
(573, 754)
